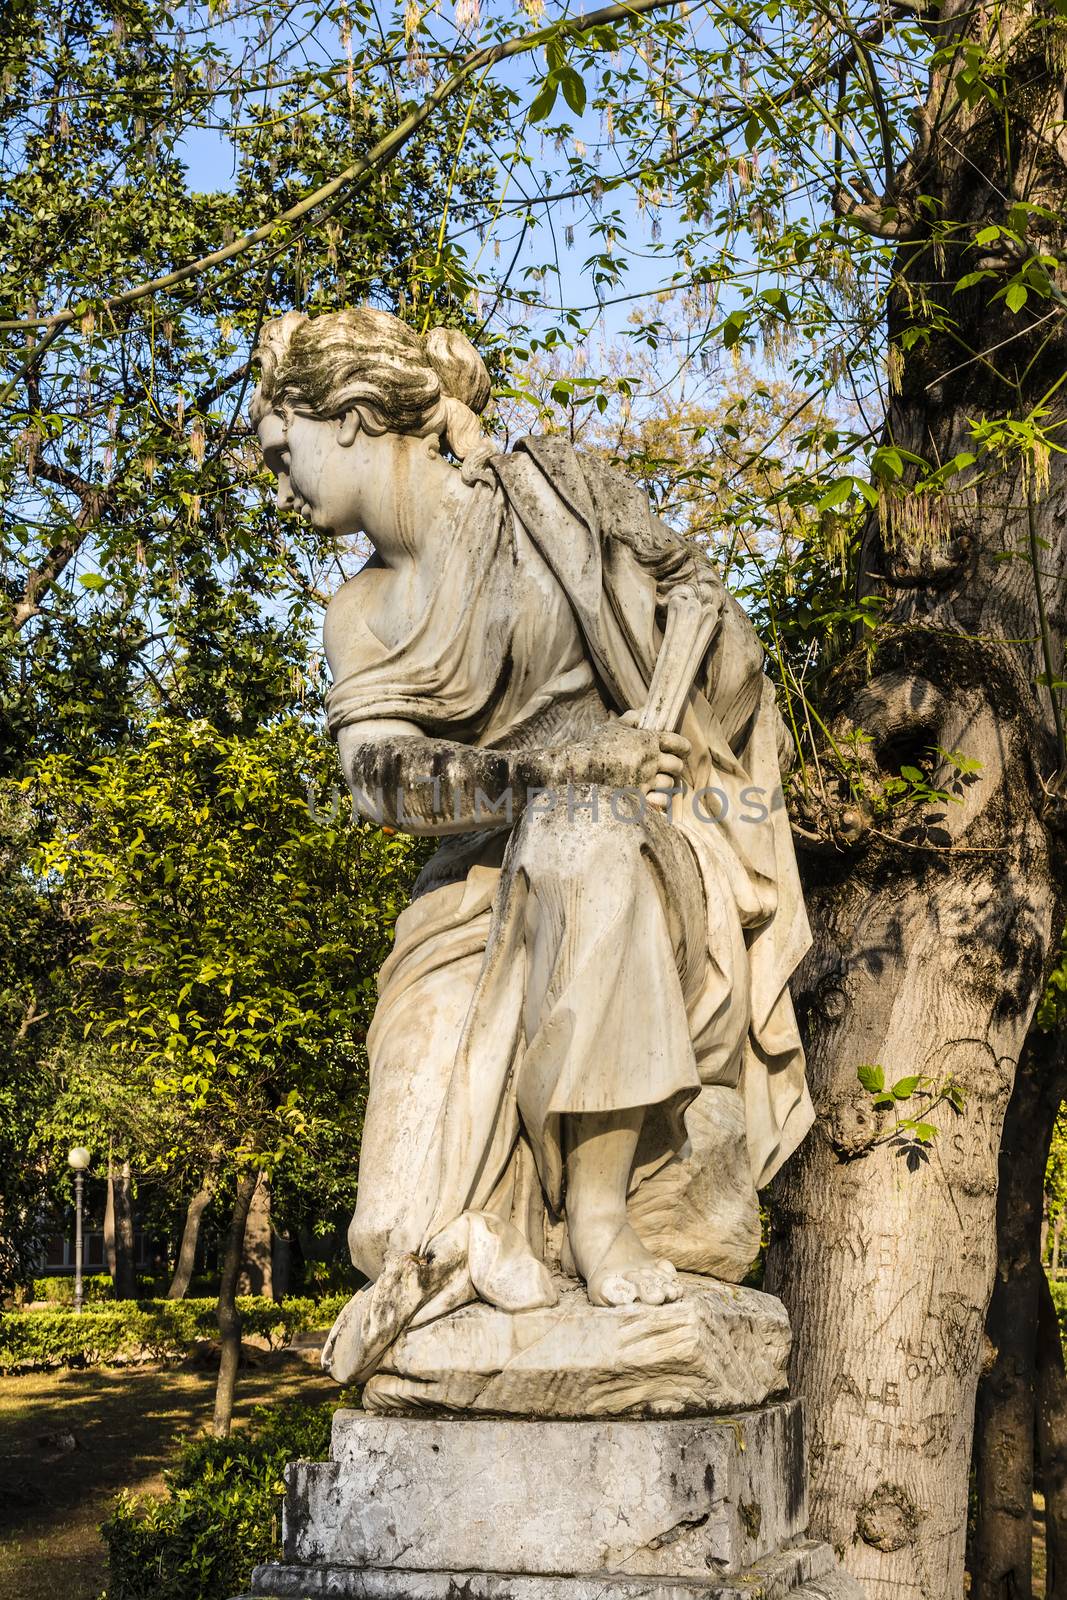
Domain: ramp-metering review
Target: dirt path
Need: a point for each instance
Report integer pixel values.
(127, 1422)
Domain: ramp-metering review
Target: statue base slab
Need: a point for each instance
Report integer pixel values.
(806, 1571)
(420, 1508)
(719, 1348)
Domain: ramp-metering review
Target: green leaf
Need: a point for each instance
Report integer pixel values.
(92, 580)
(969, 279)
(555, 51)
(573, 89)
(1016, 297)
(733, 328)
(836, 495)
(904, 1088)
(545, 99)
(872, 1078)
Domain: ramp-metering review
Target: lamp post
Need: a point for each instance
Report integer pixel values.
(78, 1160)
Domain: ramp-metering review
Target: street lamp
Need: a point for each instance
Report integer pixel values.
(78, 1160)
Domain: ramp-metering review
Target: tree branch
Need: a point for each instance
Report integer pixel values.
(64, 550)
(381, 154)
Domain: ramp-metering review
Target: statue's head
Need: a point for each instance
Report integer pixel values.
(359, 381)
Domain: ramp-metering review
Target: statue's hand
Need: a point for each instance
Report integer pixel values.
(625, 756)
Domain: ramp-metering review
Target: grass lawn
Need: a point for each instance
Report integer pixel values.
(127, 1421)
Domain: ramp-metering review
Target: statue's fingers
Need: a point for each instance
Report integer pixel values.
(675, 744)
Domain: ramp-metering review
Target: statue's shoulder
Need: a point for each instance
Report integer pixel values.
(603, 493)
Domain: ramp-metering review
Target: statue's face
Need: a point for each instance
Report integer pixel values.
(327, 471)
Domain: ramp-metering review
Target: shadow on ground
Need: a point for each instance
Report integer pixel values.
(125, 1424)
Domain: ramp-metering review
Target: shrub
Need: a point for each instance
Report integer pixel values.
(221, 1515)
(60, 1291)
(130, 1330)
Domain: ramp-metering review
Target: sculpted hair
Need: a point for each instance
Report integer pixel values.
(369, 362)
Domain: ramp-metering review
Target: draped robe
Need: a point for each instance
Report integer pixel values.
(584, 955)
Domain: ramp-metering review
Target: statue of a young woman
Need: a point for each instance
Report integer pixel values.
(586, 956)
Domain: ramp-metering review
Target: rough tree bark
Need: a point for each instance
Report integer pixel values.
(934, 925)
(125, 1275)
(1052, 1441)
(1004, 1442)
(256, 1270)
(183, 1270)
(111, 1259)
(229, 1318)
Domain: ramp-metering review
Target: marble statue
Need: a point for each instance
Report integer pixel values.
(584, 1059)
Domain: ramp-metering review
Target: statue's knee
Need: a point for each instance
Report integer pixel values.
(380, 1230)
(581, 824)
(367, 1245)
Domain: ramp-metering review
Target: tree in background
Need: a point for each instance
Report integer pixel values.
(235, 930)
(35, 938)
(145, 569)
(142, 555)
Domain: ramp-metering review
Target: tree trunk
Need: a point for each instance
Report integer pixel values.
(125, 1268)
(256, 1276)
(183, 1270)
(111, 1259)
(1052, 1441)
(1001, 1556)
(229, 1318)
(935, 923)
(281, 1264)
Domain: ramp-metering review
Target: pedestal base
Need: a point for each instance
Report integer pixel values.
(807, 1571)
(420, 1508)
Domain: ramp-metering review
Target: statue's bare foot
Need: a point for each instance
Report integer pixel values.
(628, 1273)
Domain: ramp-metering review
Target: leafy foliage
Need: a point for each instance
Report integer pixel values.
(910, 1135)
(144, 565)
(221, 1515)
(235, 926)
(132, 1330)
(57, 1291)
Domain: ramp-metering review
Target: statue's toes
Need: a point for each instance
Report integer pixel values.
(657, 1285)
(614, 1289)
(672, 1289)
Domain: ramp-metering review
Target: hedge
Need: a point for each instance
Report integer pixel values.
(221, 1515)
(60, 1291)
(131, 1330)
(1059, 1300)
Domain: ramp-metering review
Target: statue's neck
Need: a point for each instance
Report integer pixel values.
(418, 509)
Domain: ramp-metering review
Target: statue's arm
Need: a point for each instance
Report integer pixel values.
(400, 776)
(430, 786)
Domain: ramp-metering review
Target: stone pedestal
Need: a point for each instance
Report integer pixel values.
(422, 1508)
